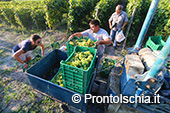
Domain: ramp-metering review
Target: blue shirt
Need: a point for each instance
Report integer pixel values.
(24, 45)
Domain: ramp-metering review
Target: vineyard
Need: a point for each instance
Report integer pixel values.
(46, 14)
(160, 25)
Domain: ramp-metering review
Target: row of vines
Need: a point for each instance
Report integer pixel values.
(33, 14)
(46, 14)
(24, 14)
(160, 25)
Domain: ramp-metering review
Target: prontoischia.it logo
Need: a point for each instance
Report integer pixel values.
(76, 98)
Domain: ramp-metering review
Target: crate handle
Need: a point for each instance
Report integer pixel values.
(86, 50)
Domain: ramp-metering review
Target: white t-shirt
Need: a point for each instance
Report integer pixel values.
(100, 35)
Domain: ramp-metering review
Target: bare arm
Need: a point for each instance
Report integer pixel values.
(124, 25)
(105, 42)
(110, 25)
(78, 34)
(42, 49)
(16, 56)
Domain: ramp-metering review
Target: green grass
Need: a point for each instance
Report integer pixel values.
(6, 71)
(1, 62)
(1, 51)
(9, 70)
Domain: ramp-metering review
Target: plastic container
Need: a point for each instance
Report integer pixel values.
(70, 48)
(57, 79)
(104, 66)
(75, 78)
(55, 45)
(168, 66)
(155, 43)
(32, 62)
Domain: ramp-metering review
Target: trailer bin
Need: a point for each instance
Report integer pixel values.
(37, 75)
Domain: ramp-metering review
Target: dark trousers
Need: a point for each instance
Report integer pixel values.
(112, 35)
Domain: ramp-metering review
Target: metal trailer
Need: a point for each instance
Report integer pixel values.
(36, 74)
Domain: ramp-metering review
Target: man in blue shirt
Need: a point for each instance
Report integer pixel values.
(22, 51)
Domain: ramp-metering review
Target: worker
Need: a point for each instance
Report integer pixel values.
(95, 32)
(117, 22)
(22, 51)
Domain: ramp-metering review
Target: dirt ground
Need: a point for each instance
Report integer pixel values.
(16, 93)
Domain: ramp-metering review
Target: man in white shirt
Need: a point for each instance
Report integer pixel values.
(95, 32)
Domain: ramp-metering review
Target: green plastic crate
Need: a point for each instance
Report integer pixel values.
(106, 72)
(57, 79)
(168, 66)
(155, 43)
(55, 45)
(75, 78)
(70, 48)
(37, 56)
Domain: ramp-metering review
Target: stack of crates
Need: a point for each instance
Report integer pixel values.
(155, 43)
(70, 48)
(78, 79)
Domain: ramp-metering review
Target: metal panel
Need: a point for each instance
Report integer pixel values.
(124, 78)
(128, 86)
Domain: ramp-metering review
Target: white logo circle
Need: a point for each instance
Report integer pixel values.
(76, 98)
